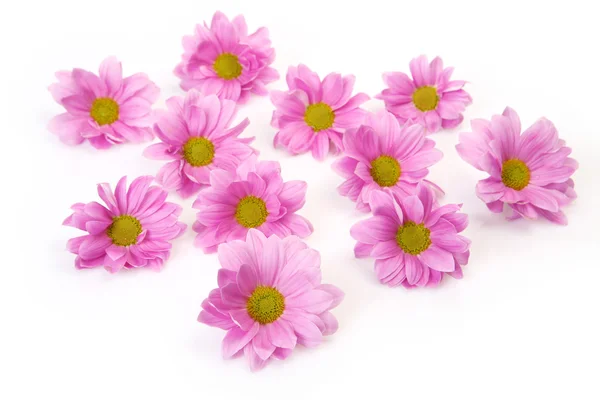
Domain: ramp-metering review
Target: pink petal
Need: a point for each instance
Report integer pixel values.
(262, 346)
(236, 339)
(541, 198)
(374, 230)
(320, 146)
(386, 249)
(315, 301)
(247, 280)
(414, 269)
(414, 209)
(308, 333)
(112, 74)
(232, 297)
(437, 258)
(281, 334)
(242, 318)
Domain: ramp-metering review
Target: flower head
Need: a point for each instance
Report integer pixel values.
(313, 112)
(106, 109)
(254, 196)
(197, 139)
(133, 230)
(224, 60)
(382, 156)
(530, 172)
(430, 98)
(270, 298)
(413, 240)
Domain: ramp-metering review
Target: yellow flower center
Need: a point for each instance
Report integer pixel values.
(265, 305)
(319, 116)
(425, 98)
(385, 170)
(198, 151)
(104, 111)
(515, 174)
(124, 230)
(412, 238)
(227, 66)
(251, 212)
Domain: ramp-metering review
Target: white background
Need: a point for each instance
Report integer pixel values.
(523, 323)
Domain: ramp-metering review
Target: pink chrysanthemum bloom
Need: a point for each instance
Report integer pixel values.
(226, 61)
(133, 230)
(382, 156)
(430, 98)
(254, 196)
(413, 240)
(530, 172)
(270, 298)
(313, 113)
(196, 137)
(106, 109)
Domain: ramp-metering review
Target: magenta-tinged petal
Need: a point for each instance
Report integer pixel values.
(387, 266)
(435, 277)
(262, 346)
(330, 323)
(160, 151)
(419, 70)
(297, 224)
(68, 128)
(96, 227)
(557, 217)
(386, 249)
(232, 297)
(540, 197)
(292, 195)
(422, 160)
(413, 207)
(374, 229)
(236, 339)
(281, 334)
(272, 260)
(320, 146)
(334, 291)
(94, 246)
(74, 243)
(211, 316)
(308, 333)
(413, 268)
(362, 250)
(315, 301)
(247, 279)
(400, 82)
(437, 258)
(112, 74)
(294, 287)
(241, 318)
(97, 211)
(116, 252)
(433, 121)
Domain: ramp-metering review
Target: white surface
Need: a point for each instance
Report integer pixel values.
(523, 323)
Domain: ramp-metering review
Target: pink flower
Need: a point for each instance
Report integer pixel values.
(196, 137)
(134, 230)
(531, 172)
(107, 109)
(382, 156)
(312, 112)
(413, 241)
(254, 196)
(430, 98)
(270, 298)
(226, 61)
